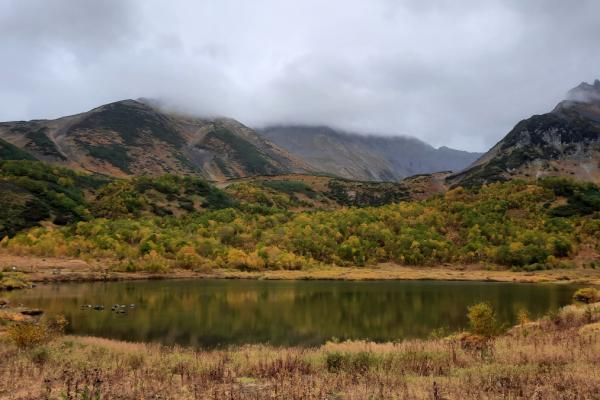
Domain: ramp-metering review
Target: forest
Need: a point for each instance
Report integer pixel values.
(156, 224)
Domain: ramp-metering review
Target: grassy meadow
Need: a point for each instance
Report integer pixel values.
(557, 357)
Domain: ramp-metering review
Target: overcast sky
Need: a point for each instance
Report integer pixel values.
(455, 73)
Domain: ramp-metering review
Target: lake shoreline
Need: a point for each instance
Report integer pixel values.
(565, 363)
(58, 270)
(221, 312)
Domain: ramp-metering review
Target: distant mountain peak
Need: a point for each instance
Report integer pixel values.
(563, 142)
(585, 92)
(124, 102)
(366, 157)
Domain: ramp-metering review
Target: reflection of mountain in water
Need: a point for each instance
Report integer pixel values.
(209, 313)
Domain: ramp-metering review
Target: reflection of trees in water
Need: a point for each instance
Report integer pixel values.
(223, 312)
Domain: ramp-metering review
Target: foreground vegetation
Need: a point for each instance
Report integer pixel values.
(557, 357)
(171, 222)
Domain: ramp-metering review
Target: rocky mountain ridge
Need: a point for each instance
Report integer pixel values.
(131, 137)
(366, 157)
(563, 142)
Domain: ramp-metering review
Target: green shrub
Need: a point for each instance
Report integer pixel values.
(562, 247)
(582, 198)
(334, 361)
(361, 361)
(152, 262)
(31, 334)
(523, 316)
(290, 187)
(27, 334)
(587, 295)
(482, 319)
(247, 154)
(12, 281)
(39, 355)
(9, 151)
(521, 255)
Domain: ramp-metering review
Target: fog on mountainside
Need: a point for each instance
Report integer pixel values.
(564, 142)
(366, 157)
(141, 137)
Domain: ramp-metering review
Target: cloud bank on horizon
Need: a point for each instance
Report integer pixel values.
(450, 73)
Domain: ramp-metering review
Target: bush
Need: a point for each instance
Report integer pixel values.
(475, 343)
(482, 320)
(523, 316)
(187, 258)
(153, 262)
(13, 281)
(519, 254)
(334, 361)
(27, 334)
(587, 295)
(575, 315)
(562, 247)
(39, 355)
(32, 334)
(361, 361)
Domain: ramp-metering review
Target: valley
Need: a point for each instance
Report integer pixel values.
(301, 225)
(299, 200)
(126, 196)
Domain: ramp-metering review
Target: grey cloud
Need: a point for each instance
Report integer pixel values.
(451, 73)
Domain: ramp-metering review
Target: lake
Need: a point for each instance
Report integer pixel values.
(209, 313)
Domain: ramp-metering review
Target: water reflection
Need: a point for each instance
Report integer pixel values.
(220, 312)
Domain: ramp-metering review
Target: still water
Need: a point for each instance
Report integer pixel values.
(208, 313)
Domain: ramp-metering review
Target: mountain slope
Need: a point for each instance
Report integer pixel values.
(563, 142)
(132, 138)
(360, 157)
(9, 151)
(36, 193)
(309, 192)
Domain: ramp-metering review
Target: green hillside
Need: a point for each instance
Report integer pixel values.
(171, 221)
(11, 152)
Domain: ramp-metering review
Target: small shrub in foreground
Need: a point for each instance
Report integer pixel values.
(523, 316)
(34, 333)
(482, 320)
(27, 334)
(574, 315)
(361, 361)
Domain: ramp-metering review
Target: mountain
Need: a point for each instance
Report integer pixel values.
(563, 142)
(366, 157)
(132, 137)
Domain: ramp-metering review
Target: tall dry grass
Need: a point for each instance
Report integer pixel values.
(555, 358)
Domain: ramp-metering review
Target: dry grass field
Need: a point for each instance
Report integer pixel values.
(56, 269)
(557, 357)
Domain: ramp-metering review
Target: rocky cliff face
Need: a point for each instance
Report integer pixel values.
(585, 93)
(366, 157)
(563, 142)
(133, 138)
